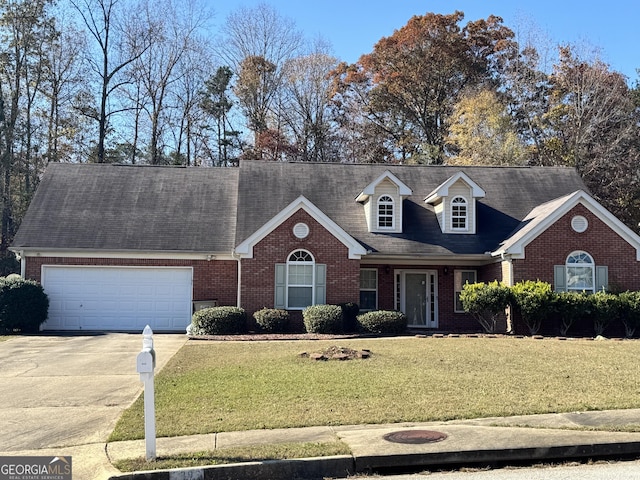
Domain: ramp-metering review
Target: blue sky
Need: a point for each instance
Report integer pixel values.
(354, 26)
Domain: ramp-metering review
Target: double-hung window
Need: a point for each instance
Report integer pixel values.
(459, 213)
(580, 274)
(300, 282)
(368, 289)
(385, 212)
(300, 279)
(460, 279)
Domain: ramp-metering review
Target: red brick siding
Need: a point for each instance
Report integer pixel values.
(212, 280)
(258, 273)
(605, 246)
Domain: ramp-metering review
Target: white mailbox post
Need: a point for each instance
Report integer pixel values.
(145, 365)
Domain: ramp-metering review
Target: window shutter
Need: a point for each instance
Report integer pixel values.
(281, 286)
(321, 284)
(602, 278)
(559, 278)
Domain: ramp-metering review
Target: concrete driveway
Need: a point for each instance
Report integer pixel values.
(64, 393)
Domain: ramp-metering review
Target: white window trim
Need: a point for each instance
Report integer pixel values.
(455, 290)
(288, 284)
(465, 204)
(390, 202)
(371, 289)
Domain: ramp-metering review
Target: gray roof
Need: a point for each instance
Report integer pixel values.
(214, 209)
(112, 207)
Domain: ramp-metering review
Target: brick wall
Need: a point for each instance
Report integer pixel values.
(605, 246)
(258, 273)
(212, 280)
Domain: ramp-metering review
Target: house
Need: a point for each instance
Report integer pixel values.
(117, 247)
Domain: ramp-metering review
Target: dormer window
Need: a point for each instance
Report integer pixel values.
(459, 213)
(382, 200)
(385, 212)
(455, 204)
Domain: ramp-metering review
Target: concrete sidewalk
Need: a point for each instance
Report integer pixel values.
(378, 447)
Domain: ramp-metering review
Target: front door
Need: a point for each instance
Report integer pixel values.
(418, 298)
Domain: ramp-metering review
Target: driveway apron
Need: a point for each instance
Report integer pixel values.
(69, 390)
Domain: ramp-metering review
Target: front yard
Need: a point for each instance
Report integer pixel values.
(225, 386)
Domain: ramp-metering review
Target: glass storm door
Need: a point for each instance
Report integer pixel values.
(420, 299)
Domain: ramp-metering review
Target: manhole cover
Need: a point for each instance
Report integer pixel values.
(415, 436)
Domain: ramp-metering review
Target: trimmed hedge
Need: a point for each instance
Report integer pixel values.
(486, 302)
(382, 321)
(23, 305)
(218, 321)
(323, 319)
(272, 320)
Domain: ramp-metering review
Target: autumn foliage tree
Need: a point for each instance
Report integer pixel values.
(411, 81)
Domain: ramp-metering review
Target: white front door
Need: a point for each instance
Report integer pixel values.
(418, 298)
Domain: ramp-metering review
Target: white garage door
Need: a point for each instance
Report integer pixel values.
(118, 298)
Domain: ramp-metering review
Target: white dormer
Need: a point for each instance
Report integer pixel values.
(382, 200)
(454, 202)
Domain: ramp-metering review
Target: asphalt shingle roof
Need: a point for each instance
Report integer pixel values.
(195, 209)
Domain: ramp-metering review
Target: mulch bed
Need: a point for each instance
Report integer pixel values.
(249, 337)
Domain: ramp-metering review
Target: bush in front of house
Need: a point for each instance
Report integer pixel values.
(23, 305)
(571, 307)
(605, 308)
(383, 322)
(218, 321)
(486, 302)
(272, 320)
(534, 301)
(350, 312)
(323, 319)
(629, 312)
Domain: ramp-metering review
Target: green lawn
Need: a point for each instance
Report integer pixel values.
(226, 386)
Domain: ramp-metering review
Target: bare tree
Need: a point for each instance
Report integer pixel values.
(306, 96)
(25, 28)
(121, 37)
(257, 43)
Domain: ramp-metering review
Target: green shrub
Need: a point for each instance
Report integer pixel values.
(218, 321)
(605, 308)
(382, 321)
(323, 319)
(485, 302)
(23, 305)
(350, 312)
(571, 306)
(629, 312)
(534, 301)
(272, 320)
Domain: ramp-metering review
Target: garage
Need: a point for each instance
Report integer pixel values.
(118, 298)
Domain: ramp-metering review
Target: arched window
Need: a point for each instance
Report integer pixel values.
(580, 272)
(385, 212)
(459, 213)
(300, 268)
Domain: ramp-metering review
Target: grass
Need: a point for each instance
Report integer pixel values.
(227, 386)
(236, 455)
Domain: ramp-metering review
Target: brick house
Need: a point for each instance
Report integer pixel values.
(118, 247)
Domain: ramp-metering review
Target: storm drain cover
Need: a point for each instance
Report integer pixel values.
(415, 436)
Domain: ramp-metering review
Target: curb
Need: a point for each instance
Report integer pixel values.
(342, 466)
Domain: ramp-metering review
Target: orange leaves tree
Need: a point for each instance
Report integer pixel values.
(405, 90)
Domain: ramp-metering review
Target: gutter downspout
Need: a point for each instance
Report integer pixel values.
(238, 258)
(23, 262)
(509, 283)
